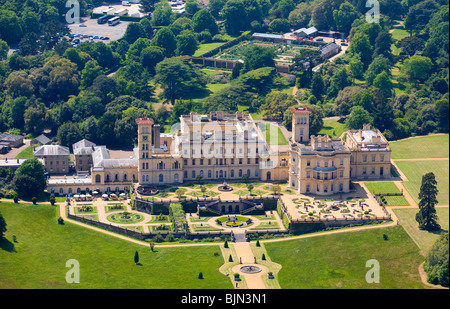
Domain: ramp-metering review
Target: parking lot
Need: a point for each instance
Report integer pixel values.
(133, 9)
(94, 29)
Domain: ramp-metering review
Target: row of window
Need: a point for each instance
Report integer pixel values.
(79, 191)
(220, 150)
(372, 170)
(219, 174)
(220, 161)
(373, 158)
(116, 178)
(319, 188)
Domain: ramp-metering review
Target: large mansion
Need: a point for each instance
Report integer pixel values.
(223, 147)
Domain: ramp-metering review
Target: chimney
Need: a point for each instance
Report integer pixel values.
(156, 135)
(360, 134)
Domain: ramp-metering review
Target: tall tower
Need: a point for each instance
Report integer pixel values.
(145, 149)
(300, 124)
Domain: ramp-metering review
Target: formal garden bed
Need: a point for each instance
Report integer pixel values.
(125, 218)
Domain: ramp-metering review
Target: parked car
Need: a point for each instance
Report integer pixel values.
(344, 44)
(83, 25)
(319, 40)
(96, 37)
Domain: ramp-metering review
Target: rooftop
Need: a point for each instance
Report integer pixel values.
(298, 110)
(144, 121)
(51, 150)
(267, 35)
(10, 137)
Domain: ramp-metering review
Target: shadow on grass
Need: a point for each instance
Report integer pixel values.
(6, 245)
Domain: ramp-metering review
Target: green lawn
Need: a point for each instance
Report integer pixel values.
(206, 48)
(332, 127)
(38, 259)
(382, 187)
(339, 260)
(423, 239)
(414, 170)
(216, 87)
(399, 33)
(27, 153)
(430, 146)
(272, 137)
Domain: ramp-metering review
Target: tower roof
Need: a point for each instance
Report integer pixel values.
(299, 110)
(144, 121)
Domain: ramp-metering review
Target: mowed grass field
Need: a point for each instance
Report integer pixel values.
(431, 146)
(383, 187)
(332, 127)
(38, 259)
(414, 170)
(274, 135)
(339, 260)
(423, 239)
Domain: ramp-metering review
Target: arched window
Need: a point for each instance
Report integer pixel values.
(107, 177)
(98, 178)
(125, 177)
(240, 173)
(116, 177)
(161, 178)
(209, 174)
(248, 173)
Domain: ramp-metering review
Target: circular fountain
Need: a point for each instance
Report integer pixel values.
(250, 269)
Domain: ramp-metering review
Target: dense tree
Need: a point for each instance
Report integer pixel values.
(258, 57)
(417, 67)
(187, 43)
(357, 118)
(178, 78)
(436, 263)
(165, 39)
(279, 25)
(29, 179)
(426, 217)
(277, 103)
(90, 72)
(10, 27)
(215, 6)
(134, 31)
(68, 134)
(228, 99)
(37, 119)
(203, 20)
(191, 7)
(151, 56)
(344, 17)
(258, 81)
(301, 15)
(235, 17)
(360, 45)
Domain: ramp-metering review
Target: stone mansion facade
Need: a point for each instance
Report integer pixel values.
(226, 147)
